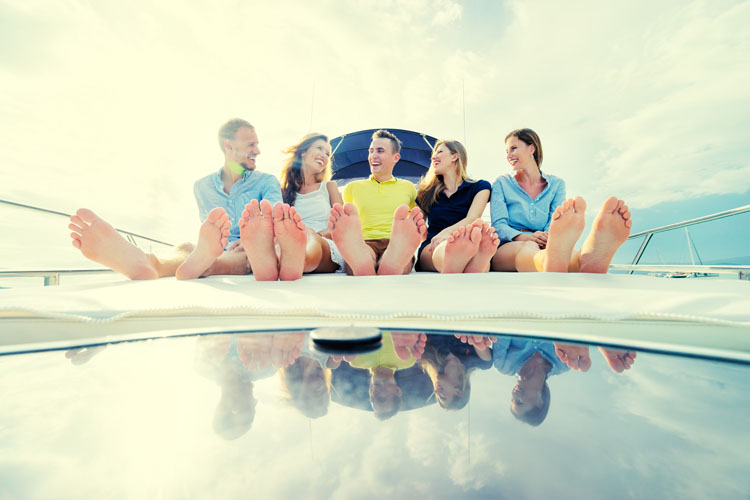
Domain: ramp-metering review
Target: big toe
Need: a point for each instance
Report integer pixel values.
(86, 215)
(610, 205)
(579, 204)
(350, 209)
(401, 212)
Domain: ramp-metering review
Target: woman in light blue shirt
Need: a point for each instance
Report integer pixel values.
(538, 227)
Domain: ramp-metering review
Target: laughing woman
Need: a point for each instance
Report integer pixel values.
(538, 227)
(457, 240)
(292, 238)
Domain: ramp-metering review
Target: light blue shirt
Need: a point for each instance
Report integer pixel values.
(253, 185)
(513, 211)
(509, 355)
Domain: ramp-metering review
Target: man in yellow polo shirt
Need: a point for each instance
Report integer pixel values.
(379, 227)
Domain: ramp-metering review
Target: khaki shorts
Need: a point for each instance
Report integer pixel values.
(378, 246)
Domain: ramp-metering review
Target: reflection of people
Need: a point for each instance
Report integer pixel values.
(577, 357)
(307, 382)
(379, 228)
(533, 361)
(399, 350)
(287, 240)
(449, 362)
(220, 196)
(457, 239)
(217, 358)
(538, 228)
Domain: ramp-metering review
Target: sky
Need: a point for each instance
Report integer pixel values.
(116, 107)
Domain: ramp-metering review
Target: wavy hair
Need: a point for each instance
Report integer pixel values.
(529, 137)
(431, 185)
(292, 178)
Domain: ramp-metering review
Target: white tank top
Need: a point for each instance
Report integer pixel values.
(315, 208)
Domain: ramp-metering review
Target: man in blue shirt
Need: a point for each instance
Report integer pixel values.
(221, 198)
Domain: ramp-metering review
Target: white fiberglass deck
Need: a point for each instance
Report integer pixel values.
(712, 316)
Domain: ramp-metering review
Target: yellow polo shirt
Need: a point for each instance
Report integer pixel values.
(385, 356)
(376, 202)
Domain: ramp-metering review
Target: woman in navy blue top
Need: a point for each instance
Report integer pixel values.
(538, 227)
(457, 239)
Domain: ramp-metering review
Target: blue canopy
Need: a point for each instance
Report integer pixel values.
(350, 155)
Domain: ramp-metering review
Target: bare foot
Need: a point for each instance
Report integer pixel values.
(618, 360)
(408, 344)
(99, 241)
(256, 233)
(460, 247)
(290, 233)
(610, 230)
(565, 229)
(575, 356)
(407, 233)
(480, 263)
(212, 238)
(346, 230)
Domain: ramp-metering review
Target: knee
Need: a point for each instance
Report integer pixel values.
(185, 247)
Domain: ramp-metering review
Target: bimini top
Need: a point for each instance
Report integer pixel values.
(350, 155)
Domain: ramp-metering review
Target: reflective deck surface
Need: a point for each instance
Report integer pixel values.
(266, 415)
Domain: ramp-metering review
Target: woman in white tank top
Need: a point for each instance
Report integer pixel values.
(305, 186)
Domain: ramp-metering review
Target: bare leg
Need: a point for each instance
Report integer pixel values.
(99, 241)
(618, 360)
(506, 255)
(407, 233)
(229, 263)
(575, 356)
(346, 230)
(480, 263)
(610, 230)
(318, 254)
(453, 254)
(212, 238)
(256, 233)
(565, 229)
(290, 233)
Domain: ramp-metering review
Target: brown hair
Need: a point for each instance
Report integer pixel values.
(384, 134)
(433, 362)
(431, 185)
(292, 380)
(292, 178)
(230, 128)
(529, 137)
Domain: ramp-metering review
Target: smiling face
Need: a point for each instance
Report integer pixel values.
(243, 149)
(316, 158)
(519, 154)
(382, 158)
(444, 160)
(449, 383)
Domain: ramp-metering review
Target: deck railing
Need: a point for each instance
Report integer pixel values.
(743, 272)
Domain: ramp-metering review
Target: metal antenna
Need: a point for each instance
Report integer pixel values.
(463, 101)
(312, 107)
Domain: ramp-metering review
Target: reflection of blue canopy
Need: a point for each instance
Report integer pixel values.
(350, 155)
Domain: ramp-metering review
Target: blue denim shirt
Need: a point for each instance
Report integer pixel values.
(509, 355)
(513, 211)
(253, 185)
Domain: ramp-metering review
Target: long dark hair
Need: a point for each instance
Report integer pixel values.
(292, 178)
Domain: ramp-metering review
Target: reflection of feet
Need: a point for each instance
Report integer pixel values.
(81, 355)
(407, 233)
(256, 233)
(575, 356)
(346, 230)
(480, 263)
(255, 351)
(290, 233)
(99, 241)
(610, 230)
(408, 344)
(460, 247)
(618, 360)
(212, 238)
(565, 229)
(287, 348)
